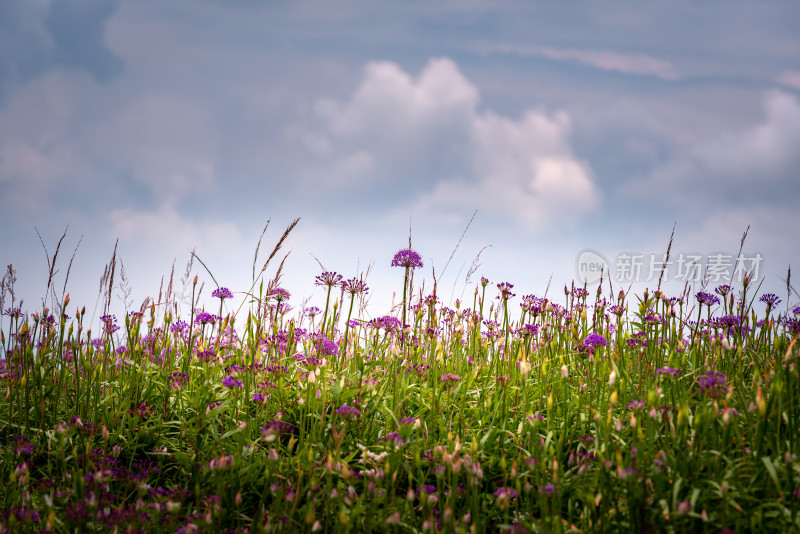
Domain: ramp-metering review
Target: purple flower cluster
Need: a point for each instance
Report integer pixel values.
(327, 348)
(348, 412)
(418, 369)
(279, 294)
(387, 322)
(594, 340)
(770, 299)
(355, 286)
(206, 318)
(231, 382)
(447, 377)
(713, 384)
(407, 258)
(329, 279)
(634, 405)
(222, 293)
(277, 428)
(706, 298)
(671, 371)
(177, 380)
(505, 290)
(505, 492)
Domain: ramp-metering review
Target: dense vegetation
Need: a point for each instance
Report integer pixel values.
(593, 412)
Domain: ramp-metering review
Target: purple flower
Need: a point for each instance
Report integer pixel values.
(206, 318)
(593, 340)
(109, 324)
(447, 377)
(505, 492)
(547, 490)
(348, 412)
(177, 380)
(179, 326)
(355, 286)
(723, 290)
(407, 258)
(635, 405)
(430, 489)
(279, 294)
(770, 299)
(505, 290)
(713, 384)
(222, 293)
(231, 382)
(706, 298)
(329, 279)
(328, 348)
(258, 397)
(276, 428)
(387, 322)
(394, 437)
(668, 371)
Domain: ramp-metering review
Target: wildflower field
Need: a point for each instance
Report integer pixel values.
(576, 411)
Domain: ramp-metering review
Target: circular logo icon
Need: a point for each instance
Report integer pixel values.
(591, 266)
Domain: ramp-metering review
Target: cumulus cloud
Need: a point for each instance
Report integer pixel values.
(640, 64)
(165, 229)
(427, 134)
(756, 163)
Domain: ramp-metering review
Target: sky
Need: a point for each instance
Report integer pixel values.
(527, 142)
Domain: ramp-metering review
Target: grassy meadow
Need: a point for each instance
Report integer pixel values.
(574, 411)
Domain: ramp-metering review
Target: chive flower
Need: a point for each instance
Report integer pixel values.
(222, 293)
(407, 258)
(329, 279)
(348, 412)
(355, 286)
(706, 298)
(770, 299)
(593, 340)
(231, 382)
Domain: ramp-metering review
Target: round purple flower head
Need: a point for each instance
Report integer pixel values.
(593, 340)
(723, 290)
(329, 279)
(222, 293)
(707, 298)
(505, 290)
(770, 299)
(407, 258)
(280, 294)
(355, 286)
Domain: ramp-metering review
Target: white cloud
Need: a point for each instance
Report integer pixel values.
(737, 164)
(429, 131)
(641, 64)
(165, 229)
(789, 78)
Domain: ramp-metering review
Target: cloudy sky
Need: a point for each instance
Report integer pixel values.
(174, 125)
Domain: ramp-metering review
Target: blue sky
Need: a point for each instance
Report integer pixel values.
(180, 125)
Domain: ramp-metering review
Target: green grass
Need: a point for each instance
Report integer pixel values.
(481, 418)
